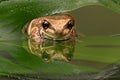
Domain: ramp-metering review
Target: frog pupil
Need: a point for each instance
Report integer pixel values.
(45, 24)
(70, 24)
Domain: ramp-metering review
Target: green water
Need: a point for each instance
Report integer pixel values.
(87, 55)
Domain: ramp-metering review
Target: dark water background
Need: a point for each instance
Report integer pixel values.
(96, 20)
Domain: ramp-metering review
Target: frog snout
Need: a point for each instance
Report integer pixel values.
(59, 33)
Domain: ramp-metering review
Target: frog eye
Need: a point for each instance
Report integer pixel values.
(45, 24)
(70, 24)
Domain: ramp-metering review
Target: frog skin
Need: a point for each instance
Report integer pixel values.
(56, 27)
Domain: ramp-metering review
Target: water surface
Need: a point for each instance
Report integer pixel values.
(89, 56)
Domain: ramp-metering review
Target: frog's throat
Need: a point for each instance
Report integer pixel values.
(48, 36)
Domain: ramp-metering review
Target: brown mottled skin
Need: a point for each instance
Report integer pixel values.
(56, 27)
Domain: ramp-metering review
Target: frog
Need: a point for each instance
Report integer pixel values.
(55, 27)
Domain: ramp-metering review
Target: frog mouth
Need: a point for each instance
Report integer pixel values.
(52, 37)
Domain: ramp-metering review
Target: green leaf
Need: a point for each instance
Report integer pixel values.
(111, 4)
(19, 12)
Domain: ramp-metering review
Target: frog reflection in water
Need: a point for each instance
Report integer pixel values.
(50, 50)
(54, 28)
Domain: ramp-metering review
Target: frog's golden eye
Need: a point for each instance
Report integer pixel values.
(45, 24)
(70, 24)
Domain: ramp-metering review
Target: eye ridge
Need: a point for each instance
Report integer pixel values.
(45, 24)
(70, 24)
